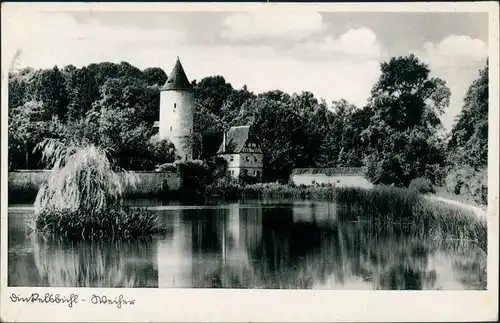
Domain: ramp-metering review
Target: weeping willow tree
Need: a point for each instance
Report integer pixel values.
(82, 196)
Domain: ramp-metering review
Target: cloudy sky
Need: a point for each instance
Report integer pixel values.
(333, 55)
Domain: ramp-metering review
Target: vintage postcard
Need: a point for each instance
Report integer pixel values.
(249, 162)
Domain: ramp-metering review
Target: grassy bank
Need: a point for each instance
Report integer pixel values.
(467, 199)
(381, 205)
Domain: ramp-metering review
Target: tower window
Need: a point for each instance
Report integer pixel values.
(175, 105)
(170, 128)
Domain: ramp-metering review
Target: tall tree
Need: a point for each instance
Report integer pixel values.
(49, 87)
(402, 136)
(469, 136)
(154, 76)
(211, 93)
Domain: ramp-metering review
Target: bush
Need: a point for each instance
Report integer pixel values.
(245, 179)
(167, 167)
(422, 185)
(200, 179)
(469, 183)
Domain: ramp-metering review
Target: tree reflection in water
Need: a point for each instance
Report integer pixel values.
(302, 245)
(307, 251)
(95, 263)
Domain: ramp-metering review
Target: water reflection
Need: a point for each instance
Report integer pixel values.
(272, 245)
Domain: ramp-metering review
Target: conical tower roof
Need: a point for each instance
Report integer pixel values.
(177, 80)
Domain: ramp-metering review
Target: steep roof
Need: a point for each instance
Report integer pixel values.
(177, 79)
(236, 138)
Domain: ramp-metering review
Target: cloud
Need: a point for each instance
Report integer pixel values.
(455, 51)
(361, 42)
(457, 60)
(262, 68)
(62, 40)
(272, 24)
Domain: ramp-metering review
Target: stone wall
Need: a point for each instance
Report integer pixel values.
(147, 182)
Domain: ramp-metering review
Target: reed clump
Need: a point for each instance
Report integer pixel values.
(122, 222)
(392, 205)
(83, 196)
(383, 205)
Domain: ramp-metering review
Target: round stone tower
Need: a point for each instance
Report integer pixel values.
(176, 111)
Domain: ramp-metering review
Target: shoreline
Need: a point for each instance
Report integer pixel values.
(478, 211)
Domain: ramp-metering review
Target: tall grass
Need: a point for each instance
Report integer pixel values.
(82, 197)
(382, 205)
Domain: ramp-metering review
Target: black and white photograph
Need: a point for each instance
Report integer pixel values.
(246, 149)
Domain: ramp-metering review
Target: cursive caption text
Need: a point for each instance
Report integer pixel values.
(71, 299)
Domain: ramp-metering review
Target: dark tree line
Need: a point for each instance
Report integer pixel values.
(397, 135)
(107, 104)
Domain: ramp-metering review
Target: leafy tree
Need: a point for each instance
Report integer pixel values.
(154, 76)
(211, 93)
(131, 93)
(18, 87)
(27, 128)
(47, 87)
(232, 105)
(278, 125)
(114, 106)
(469, 136)
(403, 133)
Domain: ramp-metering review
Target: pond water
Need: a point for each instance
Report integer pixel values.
(260, 244)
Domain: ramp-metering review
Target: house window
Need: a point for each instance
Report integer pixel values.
(258, 173)
(255, 172)
(232, 172)
(232, 158)
(255, 159)
(248, 159)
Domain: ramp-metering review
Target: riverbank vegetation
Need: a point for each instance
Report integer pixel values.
(397, 136)
(381, 205)
(82, 196)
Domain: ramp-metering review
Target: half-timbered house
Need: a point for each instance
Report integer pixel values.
(242, 152)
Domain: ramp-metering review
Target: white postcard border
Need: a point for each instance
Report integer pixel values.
(159, 305)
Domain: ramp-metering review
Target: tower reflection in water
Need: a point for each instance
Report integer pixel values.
(210, 247)
(263, 245)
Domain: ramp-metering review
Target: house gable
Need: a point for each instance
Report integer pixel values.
(251, 146)
(239, 140)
